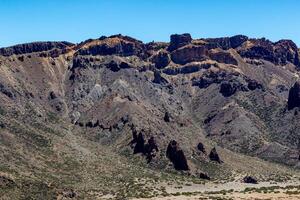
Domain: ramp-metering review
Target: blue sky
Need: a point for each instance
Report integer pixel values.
(77, 20)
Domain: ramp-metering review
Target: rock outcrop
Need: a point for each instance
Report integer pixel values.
(214, 156)
(33, 47)
(179, 40)
(294, 96)
(161, 59)
(176, 156)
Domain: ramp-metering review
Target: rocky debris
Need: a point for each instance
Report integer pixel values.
(209, 78)
(179, 40)
(227, 42)
(214, 156)
(188, 68)
(253, 85)
(294, 96)
(249, 179)
(33, 47)
(204, 176)
(167, 117)
(176, 156)
(201, 147)
(7, 91)
(114, 45)
(6, 181)
(161, 59)
(69, 193)
(189, 53)
(158, 78)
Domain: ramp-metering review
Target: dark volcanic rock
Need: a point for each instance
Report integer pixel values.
(227, 42)
(201, 147)
(158, 78)
(253, 85)
(167, 117)
(249, 179)
(178, 41)
(294, 96)
(214, 156)
(176, 156)
(228, 88)
(161, 59)
(33, 47)
(204, 176)
(150, 149)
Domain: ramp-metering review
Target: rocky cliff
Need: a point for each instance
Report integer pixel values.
(116, 97)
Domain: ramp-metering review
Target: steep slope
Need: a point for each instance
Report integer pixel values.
(86, 117)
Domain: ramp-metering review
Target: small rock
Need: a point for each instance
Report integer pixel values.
(249, 179)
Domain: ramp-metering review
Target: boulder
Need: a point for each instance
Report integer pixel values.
(214, 156)
(167, 117)
(179, 40)
(249, 179)
(228, 88)
(253, 85)
(161, 59)
(204, 176)
(294, 96)
(176, 156)
(201, 147)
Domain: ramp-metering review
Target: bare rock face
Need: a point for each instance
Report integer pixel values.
(214, 156)
(294, 96)
(178, 41)
(176, 156)
(33, 47)
(279, 53)
(189, 53)
(227, 42)
(223, 57)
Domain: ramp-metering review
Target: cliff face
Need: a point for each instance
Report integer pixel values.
(233, 93)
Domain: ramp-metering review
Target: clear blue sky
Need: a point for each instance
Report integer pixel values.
(76, 20)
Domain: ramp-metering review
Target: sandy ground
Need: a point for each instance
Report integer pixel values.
(205, 191)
